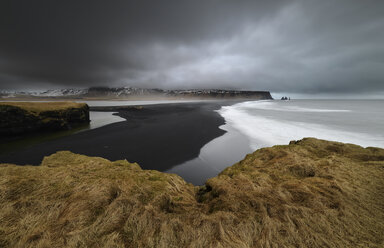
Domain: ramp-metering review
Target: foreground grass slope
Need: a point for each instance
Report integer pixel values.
(23, 117)
(311, 193)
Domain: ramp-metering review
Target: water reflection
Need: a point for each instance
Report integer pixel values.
(98, 119)
(13, 143)
(214, 157)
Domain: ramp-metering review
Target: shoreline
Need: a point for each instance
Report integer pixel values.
(157, 137)
(215, 156)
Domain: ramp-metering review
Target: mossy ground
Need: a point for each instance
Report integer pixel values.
(38, 107)
(311, 193)
(29, 117)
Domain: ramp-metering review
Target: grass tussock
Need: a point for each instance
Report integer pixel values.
(311, 193)
(38, 107)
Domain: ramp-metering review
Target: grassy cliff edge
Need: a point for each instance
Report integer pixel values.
(24, 117)
(310, 193)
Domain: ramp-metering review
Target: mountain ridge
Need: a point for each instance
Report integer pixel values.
(133, 92)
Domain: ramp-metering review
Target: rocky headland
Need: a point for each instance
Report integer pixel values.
(25, 117)
(133, 93)
(310, 193)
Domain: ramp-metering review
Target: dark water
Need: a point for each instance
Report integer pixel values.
(157, 137)
(187, 141)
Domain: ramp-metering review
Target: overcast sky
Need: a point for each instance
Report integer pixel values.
(299, 46)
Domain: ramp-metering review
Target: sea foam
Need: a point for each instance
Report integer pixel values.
(265, 129)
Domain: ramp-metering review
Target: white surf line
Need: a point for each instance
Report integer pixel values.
(264, 132)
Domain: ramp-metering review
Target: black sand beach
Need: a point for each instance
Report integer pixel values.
(156, 137)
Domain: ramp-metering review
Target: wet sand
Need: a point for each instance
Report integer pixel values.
(156, 137)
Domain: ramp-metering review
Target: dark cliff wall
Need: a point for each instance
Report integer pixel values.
(19, 119)
(256, 95)
(194, 93)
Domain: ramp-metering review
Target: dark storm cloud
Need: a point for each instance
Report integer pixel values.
(283, 46)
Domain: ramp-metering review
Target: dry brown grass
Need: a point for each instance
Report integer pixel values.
(38, 107)
(312, 193)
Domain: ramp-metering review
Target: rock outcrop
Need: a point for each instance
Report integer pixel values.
(23, 117)
(311, 193)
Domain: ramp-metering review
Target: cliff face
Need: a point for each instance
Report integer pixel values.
(311, 193)
(23, 117)
(124, 92)
(138, 94)
(222, 94)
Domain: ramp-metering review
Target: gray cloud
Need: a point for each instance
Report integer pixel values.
(284, 46)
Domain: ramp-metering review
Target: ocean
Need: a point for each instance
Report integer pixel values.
(256, 124)
(249, 126)
(268, 123)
